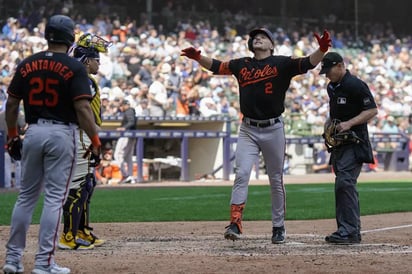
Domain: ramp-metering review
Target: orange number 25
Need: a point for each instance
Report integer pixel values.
(39, 86)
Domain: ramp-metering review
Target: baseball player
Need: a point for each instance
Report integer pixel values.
(77, 233)
(263, 81)
(55, 92)
(351, 103)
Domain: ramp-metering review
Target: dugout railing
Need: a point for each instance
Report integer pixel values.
(393, 148)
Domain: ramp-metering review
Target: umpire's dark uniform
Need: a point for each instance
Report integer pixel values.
(348, 98)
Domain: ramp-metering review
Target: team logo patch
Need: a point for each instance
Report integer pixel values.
(366, 101)
(341, 100)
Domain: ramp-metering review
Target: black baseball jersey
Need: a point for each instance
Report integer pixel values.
(263, 83)
(348, 98)
(48, 83)
(129, 119)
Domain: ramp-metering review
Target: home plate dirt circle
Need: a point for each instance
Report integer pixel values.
(199, 247)
(255, 245)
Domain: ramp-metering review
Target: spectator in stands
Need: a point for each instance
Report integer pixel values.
(208, 106)
(144, 76)
(182, 104)
(173, 83)
(381, 56)
(193, 99)
(9, 29)
(390, 126)
(107, 172)
(158, 100)
(142, 109)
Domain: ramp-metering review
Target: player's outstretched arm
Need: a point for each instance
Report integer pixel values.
(195, 54)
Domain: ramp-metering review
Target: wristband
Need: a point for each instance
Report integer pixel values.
(12, 132)
(96, 141)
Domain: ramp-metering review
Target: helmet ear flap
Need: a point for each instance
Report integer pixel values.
(250, 44)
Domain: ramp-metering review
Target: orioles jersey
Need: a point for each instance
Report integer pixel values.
(263, 83)
(48, 83)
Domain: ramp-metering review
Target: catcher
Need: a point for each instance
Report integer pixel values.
(77, 234)
(351, 106)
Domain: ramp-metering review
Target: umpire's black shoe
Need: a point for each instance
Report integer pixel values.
(232, 232)
(337, 238)
(278, 235)
(336, 233)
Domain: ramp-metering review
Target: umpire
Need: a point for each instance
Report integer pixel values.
(352, 104)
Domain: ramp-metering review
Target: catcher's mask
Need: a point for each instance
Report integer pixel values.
(88, 46)
(88, 40)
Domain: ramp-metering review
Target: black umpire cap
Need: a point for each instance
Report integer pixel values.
(330, 60)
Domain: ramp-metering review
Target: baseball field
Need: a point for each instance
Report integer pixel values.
(198, 246)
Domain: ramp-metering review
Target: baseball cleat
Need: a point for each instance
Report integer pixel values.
(54, 268)
(278, 235)
(13, 268)
(232, 232)
(336, 238)
(68, 242)
(88, 236)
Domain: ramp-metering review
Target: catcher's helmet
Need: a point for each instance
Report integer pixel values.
(89, 40)
(60, 30)
(253, 33)
(88, 46)
(82, 53)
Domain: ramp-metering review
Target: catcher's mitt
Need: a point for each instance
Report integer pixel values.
(333, 138)
(14, 147)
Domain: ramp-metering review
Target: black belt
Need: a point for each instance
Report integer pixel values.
(49, 121)
(261, 123)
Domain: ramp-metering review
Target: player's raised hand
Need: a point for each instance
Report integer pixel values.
(325, 42)
(191, 53)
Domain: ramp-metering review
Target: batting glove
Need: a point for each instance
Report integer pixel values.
(93, 154)
(191, 53)
(14, 147)
(325, 42)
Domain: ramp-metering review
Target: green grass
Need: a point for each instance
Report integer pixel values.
(308, 201)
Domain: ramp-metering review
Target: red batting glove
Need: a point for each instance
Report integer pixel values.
(325, 42)
(191, 53)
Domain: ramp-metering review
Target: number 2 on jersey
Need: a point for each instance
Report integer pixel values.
(39, 85)
(268, 88)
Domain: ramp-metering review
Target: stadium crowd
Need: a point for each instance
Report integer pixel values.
(144, 66)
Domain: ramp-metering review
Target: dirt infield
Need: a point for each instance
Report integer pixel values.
(199, 247)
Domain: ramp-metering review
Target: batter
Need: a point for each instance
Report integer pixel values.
(263, 81)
